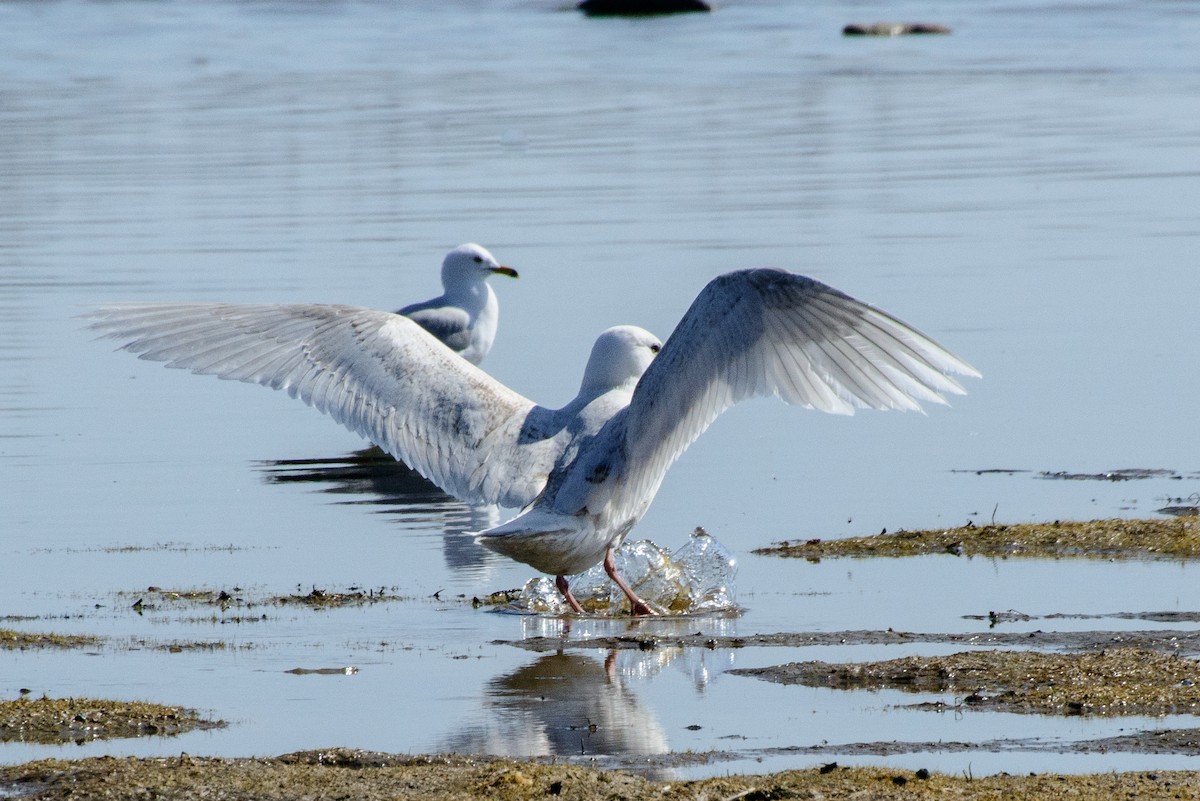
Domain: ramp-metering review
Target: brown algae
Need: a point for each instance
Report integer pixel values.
(1118, 681)
(325, 599)
(342, 773)
(13, 640)
(59, 720)
(498, 598)
(155, 598)
(1176, 538)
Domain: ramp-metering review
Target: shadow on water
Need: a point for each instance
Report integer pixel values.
(375, 478)
(365, 471)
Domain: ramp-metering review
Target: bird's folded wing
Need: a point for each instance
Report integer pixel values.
(376, 373)
(764, 332)
(449, 324)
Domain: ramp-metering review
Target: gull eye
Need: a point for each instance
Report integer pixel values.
(479, 259)
(655, 348)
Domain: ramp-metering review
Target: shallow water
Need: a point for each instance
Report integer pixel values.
(1023, 190)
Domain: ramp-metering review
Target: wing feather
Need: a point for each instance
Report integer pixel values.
(770, 332)
(450, 324)
(378, 374)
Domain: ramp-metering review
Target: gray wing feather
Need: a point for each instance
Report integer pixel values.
(376, 373)
(770, 332)
(449, 324)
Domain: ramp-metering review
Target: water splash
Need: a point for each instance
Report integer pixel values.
(697, 578)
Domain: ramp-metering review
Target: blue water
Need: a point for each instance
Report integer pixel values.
(1024, 190)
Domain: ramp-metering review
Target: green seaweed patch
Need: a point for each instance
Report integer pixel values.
(182, 646)
(326, 599)
(153, 598)
(498, 598)
(13, 640)
(223, 619)
(60, 720)
(1177, 538)
(156, 598)
(1120, 681)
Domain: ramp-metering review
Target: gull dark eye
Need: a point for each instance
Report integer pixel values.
(479, 259)
(655, 348)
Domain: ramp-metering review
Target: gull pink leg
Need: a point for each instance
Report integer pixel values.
(565, 589)
(636, 604)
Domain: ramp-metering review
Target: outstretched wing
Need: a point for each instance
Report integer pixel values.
(771, 332)
(376, 373)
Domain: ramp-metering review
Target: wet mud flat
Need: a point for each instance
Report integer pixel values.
(11, 639)
(78, 720)
(1090, 673)
(1175, 538)
(159, 599)
(370, 776)
(1120, 681)
(30, 719)
(1150, 672)
(1174, 641)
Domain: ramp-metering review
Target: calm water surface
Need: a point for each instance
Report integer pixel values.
(1025, 191)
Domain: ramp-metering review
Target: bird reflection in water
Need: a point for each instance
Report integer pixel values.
(564, 704)
(576, 703)
(701, 666)
(375, 478)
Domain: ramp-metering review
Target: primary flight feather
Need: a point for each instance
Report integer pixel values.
(583, 475)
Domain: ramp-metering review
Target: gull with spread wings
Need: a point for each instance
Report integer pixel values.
(582, 475)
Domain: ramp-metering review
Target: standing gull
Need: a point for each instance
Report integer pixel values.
(582, 475)
(465, 316)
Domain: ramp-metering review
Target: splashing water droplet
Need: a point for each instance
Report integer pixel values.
(709, 569)
(697, 578)
(540, 596)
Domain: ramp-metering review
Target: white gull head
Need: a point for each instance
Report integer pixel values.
(619, 358)
(465, 316)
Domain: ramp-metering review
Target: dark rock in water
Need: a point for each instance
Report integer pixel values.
(893, 29)
(640, 8)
